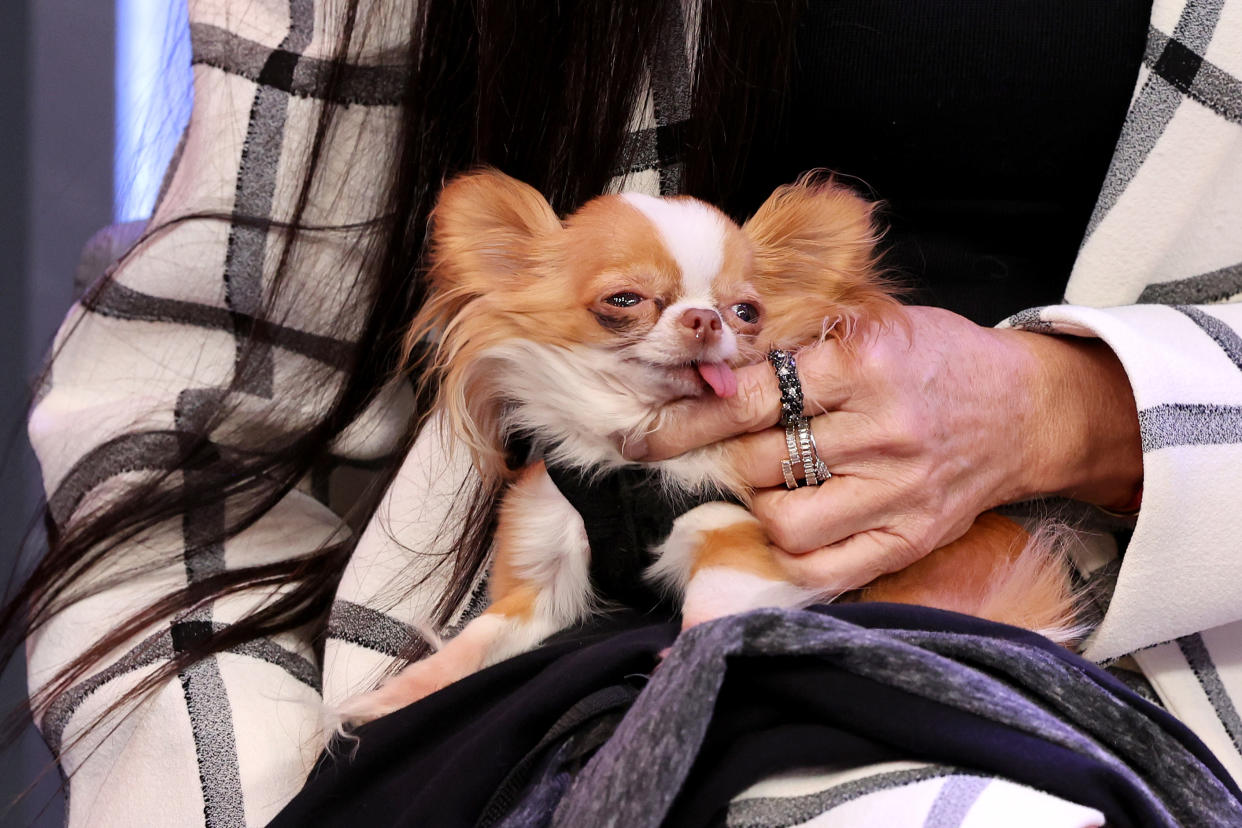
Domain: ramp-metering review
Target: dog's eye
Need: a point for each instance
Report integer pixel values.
(623, 300)
(746, 312)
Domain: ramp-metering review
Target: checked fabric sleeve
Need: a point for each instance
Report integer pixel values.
(1159, 279)
(139, 362)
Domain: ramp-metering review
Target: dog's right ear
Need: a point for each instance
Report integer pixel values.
(484, 229)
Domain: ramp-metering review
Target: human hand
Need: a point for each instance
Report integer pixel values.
(926, 420)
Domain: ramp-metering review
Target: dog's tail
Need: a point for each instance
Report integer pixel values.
(1000, 572)
(1036, 590)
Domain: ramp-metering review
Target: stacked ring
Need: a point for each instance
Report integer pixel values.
(786, 368)
(799, 441)
(787, 466)
(821, 468)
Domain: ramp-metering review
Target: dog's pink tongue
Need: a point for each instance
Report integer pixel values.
(720, 377)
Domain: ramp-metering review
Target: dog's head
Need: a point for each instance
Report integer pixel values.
(581, 329)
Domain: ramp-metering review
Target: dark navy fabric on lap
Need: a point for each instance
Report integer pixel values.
(559, 736)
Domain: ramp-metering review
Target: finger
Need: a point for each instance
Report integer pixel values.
(802, 520)
(842, 438)
(690, 424)
(826, 372)
(850, 563)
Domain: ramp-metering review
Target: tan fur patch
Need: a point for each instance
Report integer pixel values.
(519, 603)
(510, 593)
(956, 576)
(995, 571)
(743, 547)
(612, 247)
(815, 262)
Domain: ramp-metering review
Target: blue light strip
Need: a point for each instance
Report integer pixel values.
(153, 82)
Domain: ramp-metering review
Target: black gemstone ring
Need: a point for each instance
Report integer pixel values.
(786, 368)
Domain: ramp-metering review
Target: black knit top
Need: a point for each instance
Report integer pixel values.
(986, 127)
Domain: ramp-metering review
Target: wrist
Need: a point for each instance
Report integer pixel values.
(1082, 433)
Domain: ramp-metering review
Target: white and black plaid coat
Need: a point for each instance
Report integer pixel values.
(1158, 278)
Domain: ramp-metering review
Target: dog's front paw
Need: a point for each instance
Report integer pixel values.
(412, 684)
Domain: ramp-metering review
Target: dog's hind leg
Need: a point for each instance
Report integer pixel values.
(539, 584)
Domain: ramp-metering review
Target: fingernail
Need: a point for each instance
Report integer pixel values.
(634, 448)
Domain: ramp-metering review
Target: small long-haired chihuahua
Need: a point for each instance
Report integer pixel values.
(575, 333)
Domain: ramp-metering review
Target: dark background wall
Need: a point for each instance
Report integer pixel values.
(56, 127)
(14, 472)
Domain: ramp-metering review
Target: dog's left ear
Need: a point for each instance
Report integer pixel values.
(817, 238)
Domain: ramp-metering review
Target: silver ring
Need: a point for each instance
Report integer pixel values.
(787, 466)
(810, 460)
(803, 455)
(791, 482)
(821, 468)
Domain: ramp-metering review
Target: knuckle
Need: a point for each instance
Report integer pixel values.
(786, 532)
(813, 372)
(751, 408)
(824, 369)
(800, 569)
(908, 433)
(955, 531)
(881, 558)
(779, 533)
(922, 540)
(870, 360)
